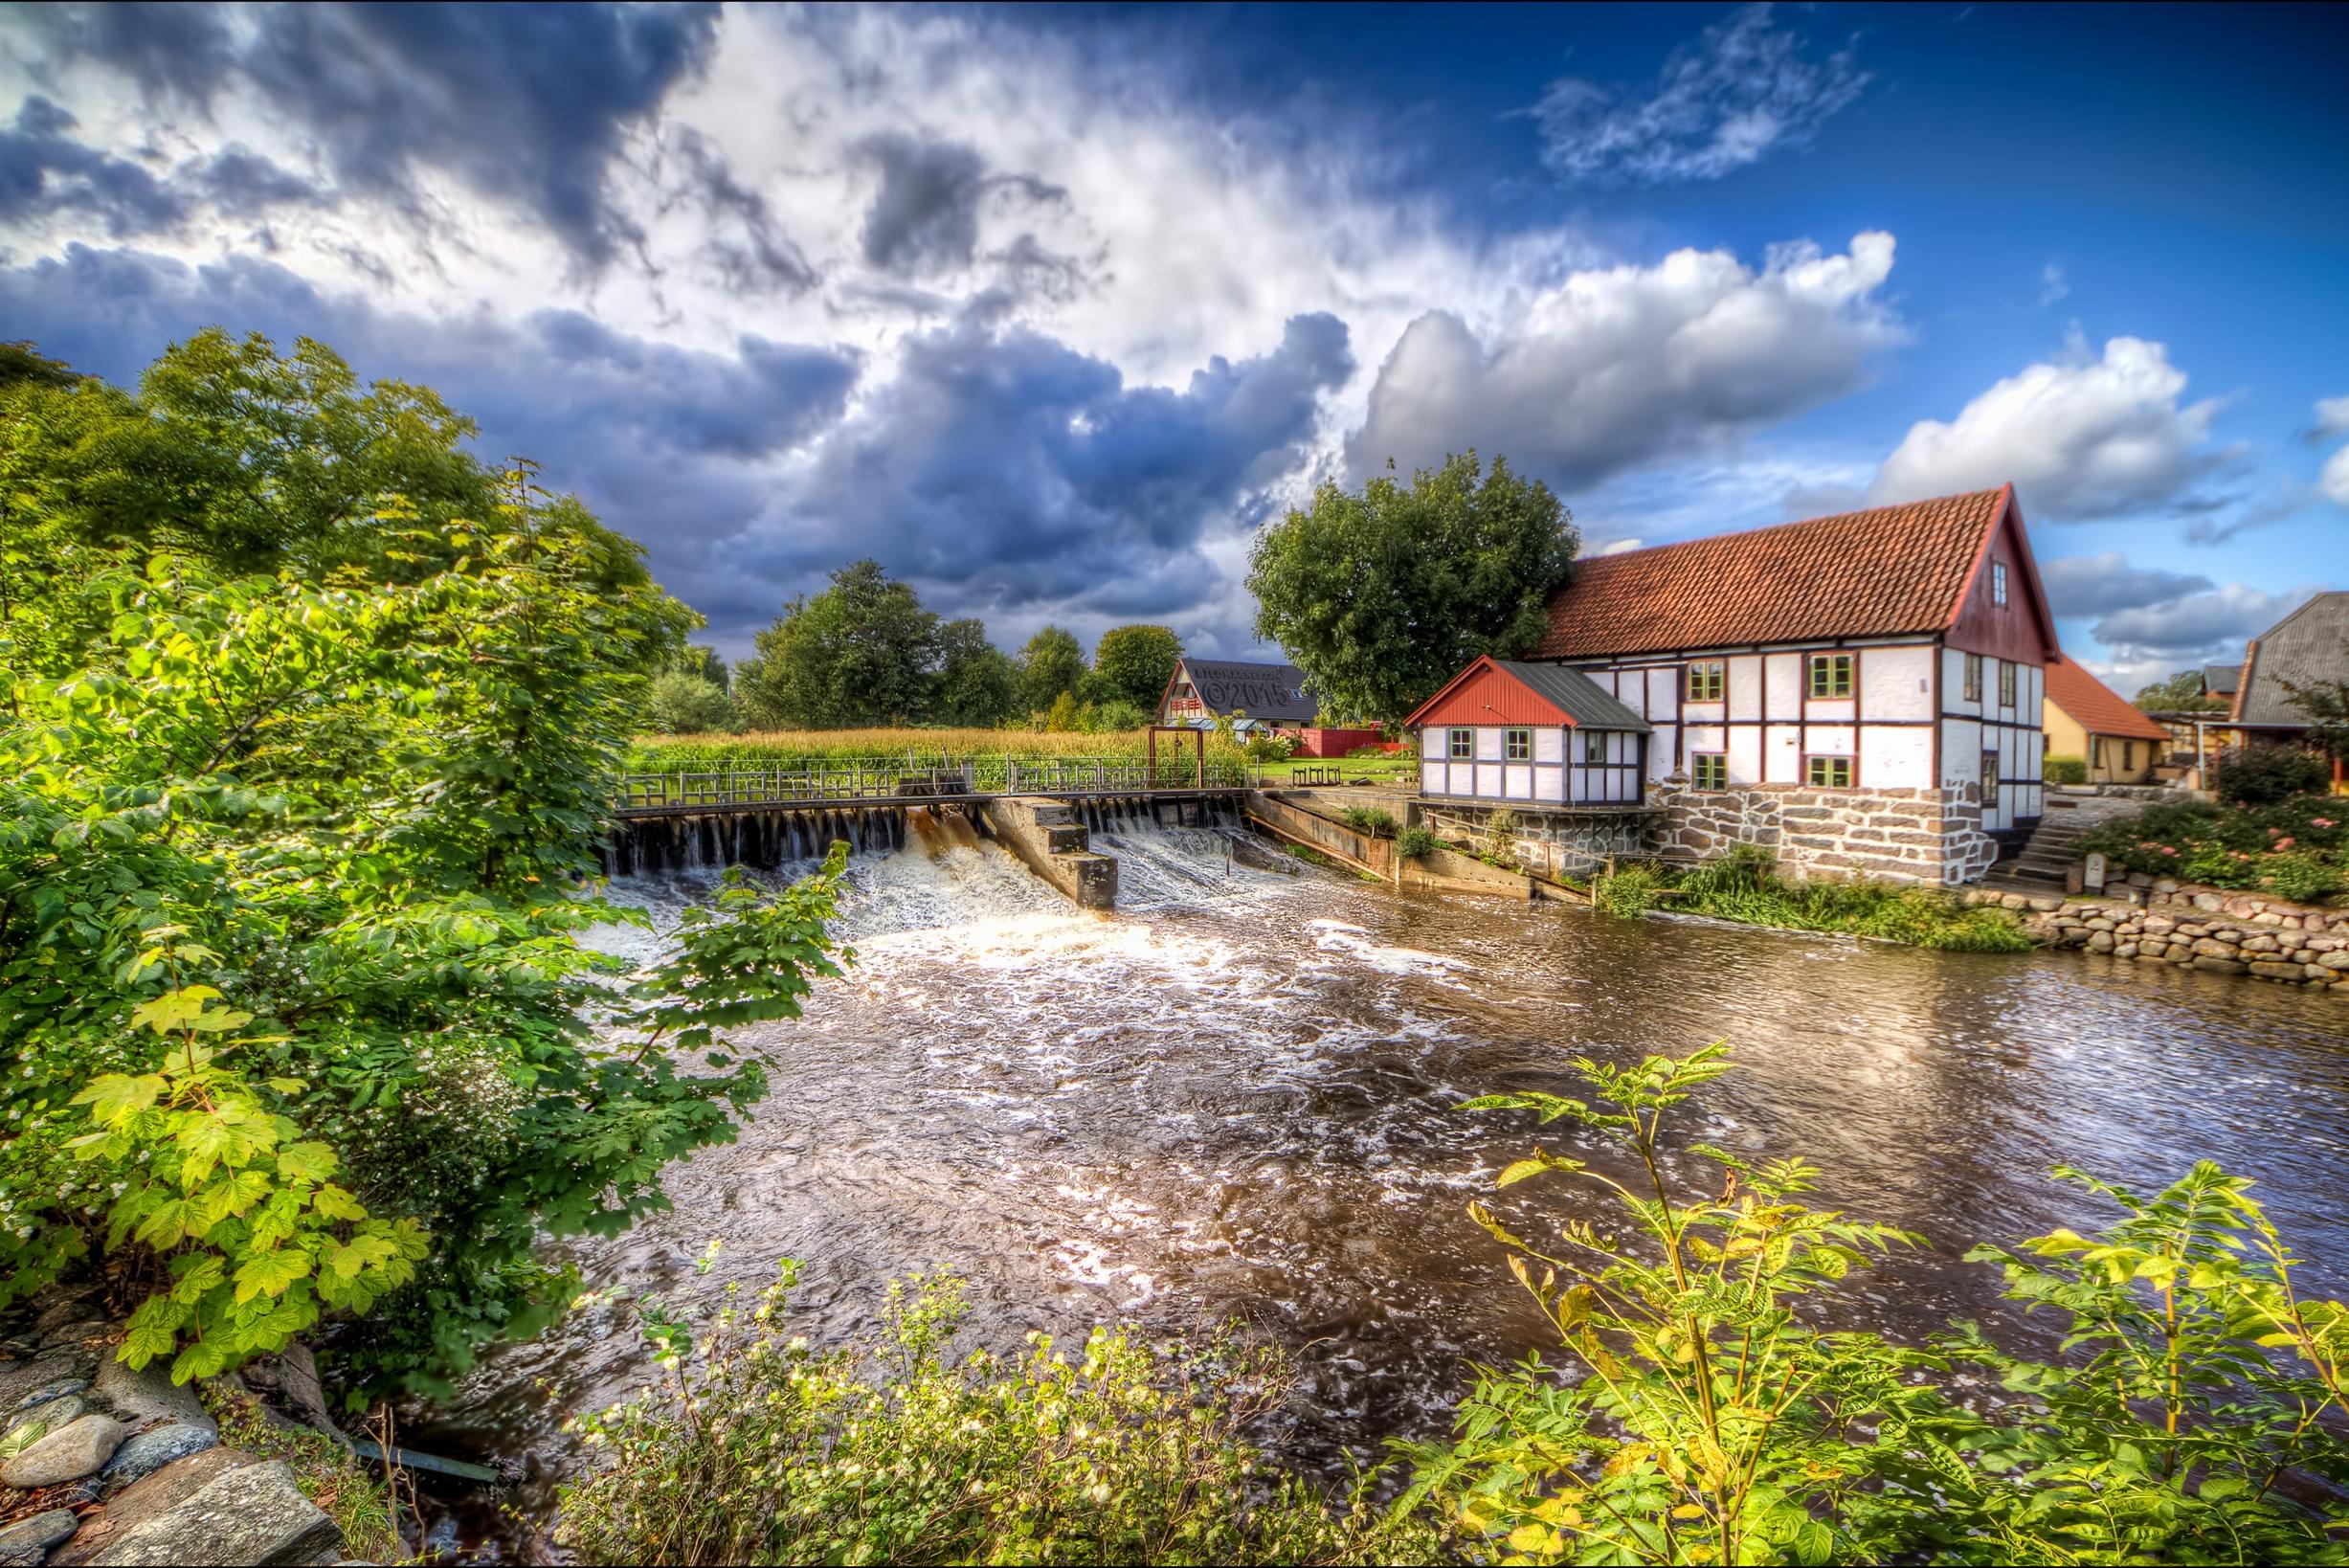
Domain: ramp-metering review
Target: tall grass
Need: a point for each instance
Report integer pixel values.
(1744, 886)
(777, 747)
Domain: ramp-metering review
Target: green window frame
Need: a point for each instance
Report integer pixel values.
(1830, 675)
(1463, 745)
(1517, 745)
(1705, 682)
(1827, 772)
(1708, 771)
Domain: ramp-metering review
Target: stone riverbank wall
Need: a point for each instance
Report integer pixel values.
(109, 1465)
(1931, 837)
(2149, 922)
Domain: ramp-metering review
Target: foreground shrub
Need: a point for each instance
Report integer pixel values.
(1704, 1415)
(2297, 848)
(1370, 820)
(2265, 775)
(1417, 843)
(759, 1449)
(2067, 770)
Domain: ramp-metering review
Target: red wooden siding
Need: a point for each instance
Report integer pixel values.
(1489, 695)
(2020, 630)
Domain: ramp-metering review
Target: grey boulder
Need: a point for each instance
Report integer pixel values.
(39, 1534)
(68, 1454)
(149, 1393)
(152, 1450)
(254, 1514)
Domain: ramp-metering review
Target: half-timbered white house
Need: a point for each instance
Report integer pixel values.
(1885, 665)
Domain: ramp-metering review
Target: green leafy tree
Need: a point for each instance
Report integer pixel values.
(1050, 667)
(2326, 703)
(701, 660)
(1381, 595)
(677, 703)
(862, 652)
(1133, 664)
(2179, 693)
(977, 686)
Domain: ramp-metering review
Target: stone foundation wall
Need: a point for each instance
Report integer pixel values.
(2196, 927)
(1932, 837)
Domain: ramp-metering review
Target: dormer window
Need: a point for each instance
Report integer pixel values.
(1998, 583)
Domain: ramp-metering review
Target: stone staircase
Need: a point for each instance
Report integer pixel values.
(2046, 857)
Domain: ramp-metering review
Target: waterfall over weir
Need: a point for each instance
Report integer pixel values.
(766, 839)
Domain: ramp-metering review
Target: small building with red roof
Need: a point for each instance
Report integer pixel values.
(2116, 741)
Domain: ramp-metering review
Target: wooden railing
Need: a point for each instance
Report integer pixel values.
(894, 779)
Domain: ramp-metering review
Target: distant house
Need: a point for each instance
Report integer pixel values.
(1861, 693)
(2084, 718)
(1207, 690)
(1538, 734)
(2221, 680)
(2308, 647)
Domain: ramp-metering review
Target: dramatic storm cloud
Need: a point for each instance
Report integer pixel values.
(1052, 310)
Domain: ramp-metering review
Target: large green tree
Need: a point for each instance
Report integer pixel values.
(2179, 693)
(976, 685)
(1381, 594)
(1051, 664)
(861, 652)
(1132, 664)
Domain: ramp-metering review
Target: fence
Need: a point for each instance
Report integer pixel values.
(877, 778)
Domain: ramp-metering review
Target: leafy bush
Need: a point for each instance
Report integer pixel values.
(2265, 775)
(2295, 849)
(679, 703)
(1273, 748)
(2067, 770)
(1715, 1409)
(762, 1450)
(288, 877)
(1370, 820)
(1416, 843)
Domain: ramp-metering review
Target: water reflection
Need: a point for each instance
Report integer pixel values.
(1235, 1097)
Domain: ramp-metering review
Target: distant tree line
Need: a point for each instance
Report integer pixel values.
(866, 652)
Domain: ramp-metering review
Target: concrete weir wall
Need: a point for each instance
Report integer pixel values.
(1441, 870)
(1047, 836)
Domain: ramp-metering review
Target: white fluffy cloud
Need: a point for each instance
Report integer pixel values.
(2333, 420)
(2199, 626)
(2085, 438)
(1723, 101)
(1615, 366)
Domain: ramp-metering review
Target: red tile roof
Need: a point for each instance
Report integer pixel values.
(2094, 707)
(1891, 570)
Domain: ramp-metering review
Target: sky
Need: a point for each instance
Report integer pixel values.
(1049, 310)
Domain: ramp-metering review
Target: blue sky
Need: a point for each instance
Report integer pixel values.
(1049, 308)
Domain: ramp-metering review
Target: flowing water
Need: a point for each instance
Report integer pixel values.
(1237, 1097)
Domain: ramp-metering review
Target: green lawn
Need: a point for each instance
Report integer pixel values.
(1352, 769)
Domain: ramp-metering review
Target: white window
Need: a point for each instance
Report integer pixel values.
(1973, 678)
(1594, 746)
(1462, 744)
(2006, 683)
(1990, 780)
(1998, 582)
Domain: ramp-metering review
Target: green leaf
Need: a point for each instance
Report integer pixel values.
(271, 1272)
(308, 1162)
(114, 1097)
(172, 1010)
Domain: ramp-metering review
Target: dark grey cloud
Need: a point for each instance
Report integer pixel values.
(752, 252)
(2199, 627)
(2102, 585)
(525, 104)
(1007, 469)
(44, 169)
(925, 218)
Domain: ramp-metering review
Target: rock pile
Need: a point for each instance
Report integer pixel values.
(2163, 922)
(102, 1464)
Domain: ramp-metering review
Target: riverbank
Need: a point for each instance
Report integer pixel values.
(2193, 926)
(106, 1465)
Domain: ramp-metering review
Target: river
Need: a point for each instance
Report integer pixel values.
(1237, 1097)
